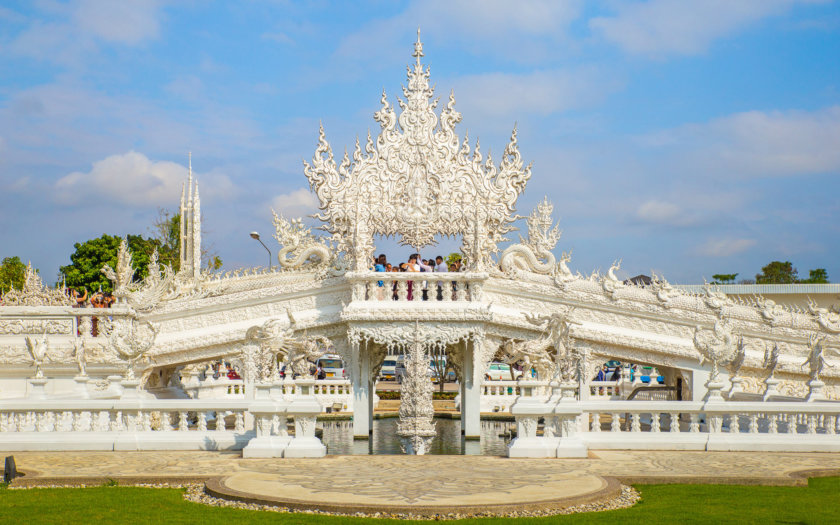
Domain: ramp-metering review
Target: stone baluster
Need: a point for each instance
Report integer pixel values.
(615, 424)
(166, 421)
(4, 422)
(694, 426)
(446, 291)
(635, 424)
(220, 421)
(753, 425)
(675, 422)
(595, 425)
(812, 423)
(830, 424)
(239, 423)
(461, 292)
(202, 421)
(183, 424)
(773, 424)
(402, 290)
(654, 422)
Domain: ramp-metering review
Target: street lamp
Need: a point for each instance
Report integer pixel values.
(255, 235)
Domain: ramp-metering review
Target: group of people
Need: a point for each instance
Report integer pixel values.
(417, 264)
(98, 299)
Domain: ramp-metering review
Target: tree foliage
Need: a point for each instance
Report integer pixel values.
(777, 272)
(724, 278)
(453, 258)
(167, 232)
(817, 276)
(12, 272)
(90, 256)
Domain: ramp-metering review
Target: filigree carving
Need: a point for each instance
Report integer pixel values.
(34, 293)
(771, 359)
(611, 283)
(816, 360)
(553, 354)
(131, 341)
(416, 181)
(416, 427)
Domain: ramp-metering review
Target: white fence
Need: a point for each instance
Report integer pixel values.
(570, 427)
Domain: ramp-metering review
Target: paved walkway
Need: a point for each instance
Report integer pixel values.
(423, 484)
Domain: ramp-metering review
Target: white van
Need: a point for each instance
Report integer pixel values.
(389, 366)
(331, 367)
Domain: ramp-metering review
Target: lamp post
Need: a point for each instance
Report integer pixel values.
(255, 235)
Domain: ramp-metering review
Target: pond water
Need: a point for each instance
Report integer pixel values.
(338, 438)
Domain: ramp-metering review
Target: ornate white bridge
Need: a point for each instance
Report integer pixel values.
(740, 366)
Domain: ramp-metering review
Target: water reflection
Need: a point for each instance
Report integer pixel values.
(338, 438)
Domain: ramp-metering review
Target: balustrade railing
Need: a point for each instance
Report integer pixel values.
(412, 286)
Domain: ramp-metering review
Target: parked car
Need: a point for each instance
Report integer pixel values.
(399, 372)
(388, 366)
(501, 372)
(330, 367)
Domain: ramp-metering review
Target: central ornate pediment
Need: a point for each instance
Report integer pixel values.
(417, 180)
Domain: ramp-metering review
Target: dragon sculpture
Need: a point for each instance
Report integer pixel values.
(717, 346)
(543, 235)
(299, 246)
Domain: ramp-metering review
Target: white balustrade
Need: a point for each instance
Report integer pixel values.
(688, 425)
(408, 286)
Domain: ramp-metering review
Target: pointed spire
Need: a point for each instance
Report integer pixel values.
(418, 47)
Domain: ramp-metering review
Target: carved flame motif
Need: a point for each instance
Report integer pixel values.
(417, 181)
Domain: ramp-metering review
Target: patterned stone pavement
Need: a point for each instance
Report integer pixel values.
(412, 482)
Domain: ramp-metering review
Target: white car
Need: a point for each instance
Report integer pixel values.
(501, 372)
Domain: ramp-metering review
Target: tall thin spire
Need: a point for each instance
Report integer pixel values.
(190, 227)
(418, 47)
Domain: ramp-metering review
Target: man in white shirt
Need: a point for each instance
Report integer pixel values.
(440, 266)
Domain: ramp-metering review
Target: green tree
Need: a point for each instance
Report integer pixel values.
(90, 256)
(453, 258)
(777, 272)
(724, 278)
(817, 276)
(12, 272)
(167, 232)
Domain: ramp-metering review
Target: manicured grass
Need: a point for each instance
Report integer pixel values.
(817, 503)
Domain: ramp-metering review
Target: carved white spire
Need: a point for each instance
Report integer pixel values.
(417, 181)
(190, 230)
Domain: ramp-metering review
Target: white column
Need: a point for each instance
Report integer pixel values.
(362, 392)
(471, 392)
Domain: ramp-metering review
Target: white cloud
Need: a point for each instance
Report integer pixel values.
(539, 92)
(124, 22)
(499, 27)
(726, 247)
(677, 27)
(69, 33)
(135, 180)
(659, 212)
(757, 144)
(297, 203)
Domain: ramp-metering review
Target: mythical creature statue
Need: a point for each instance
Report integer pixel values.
(38, 352)
(611, 283)
(829, 320)
(304, 352)
(123, 276)
(79, 355)
(769, 310)
(563, 275)
(717, 346)
(663, 290)
(131, 340)
(716, 299)
(535, 353)
(816, 357)
(299, 246)
(734, 365)
(542, 238)
(771, 359)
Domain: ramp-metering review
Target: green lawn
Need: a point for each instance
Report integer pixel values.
(817, 503)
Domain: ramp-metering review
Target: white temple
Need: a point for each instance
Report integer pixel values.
(743, 374)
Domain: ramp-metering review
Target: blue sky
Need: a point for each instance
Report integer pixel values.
(687, 137)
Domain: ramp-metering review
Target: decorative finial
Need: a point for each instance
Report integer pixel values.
(189, 154)
(418, 47)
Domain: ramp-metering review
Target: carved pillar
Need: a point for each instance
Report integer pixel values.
(362, 390)
(473, 369)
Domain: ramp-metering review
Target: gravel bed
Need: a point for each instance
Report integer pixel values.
(194, 492)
